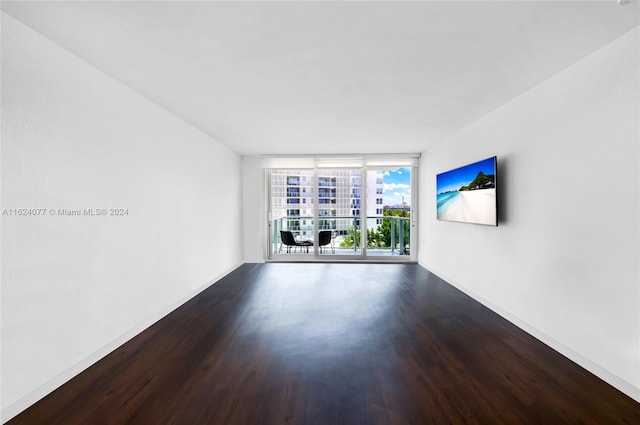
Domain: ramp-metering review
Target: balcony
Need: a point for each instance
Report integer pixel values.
(326, 193)
(326, 182)
(327, 200)
(385, 236)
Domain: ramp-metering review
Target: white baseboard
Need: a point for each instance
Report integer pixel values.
(25, 402)
(602, 373)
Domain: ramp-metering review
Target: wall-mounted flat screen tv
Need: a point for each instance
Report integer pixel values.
(468, 194)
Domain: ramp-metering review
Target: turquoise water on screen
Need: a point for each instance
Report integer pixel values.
(442, 200)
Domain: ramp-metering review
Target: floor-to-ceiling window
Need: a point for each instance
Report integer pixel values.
(342, 208)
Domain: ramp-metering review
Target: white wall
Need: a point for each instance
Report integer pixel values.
(255, 220)
(73, 288)
(563, 263)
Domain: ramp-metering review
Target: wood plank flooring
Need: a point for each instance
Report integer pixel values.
(333, 344)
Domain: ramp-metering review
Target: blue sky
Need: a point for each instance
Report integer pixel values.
(396, 184)
(454, 179)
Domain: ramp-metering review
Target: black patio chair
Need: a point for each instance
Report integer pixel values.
(289, 240)
(324, 239)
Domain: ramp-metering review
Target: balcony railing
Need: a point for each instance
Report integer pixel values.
(384, 236)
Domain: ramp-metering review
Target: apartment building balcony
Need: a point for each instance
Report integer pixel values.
(327, 182)
(326, 193)
(383, 236)
(293, 181)
(327, 200)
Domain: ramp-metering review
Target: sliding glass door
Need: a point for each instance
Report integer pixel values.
(389, 212)
(292, 211)
(341, 212)
(339, 196)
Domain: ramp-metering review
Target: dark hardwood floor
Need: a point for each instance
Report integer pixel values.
(333, 344)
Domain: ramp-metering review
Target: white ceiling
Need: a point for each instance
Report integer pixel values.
(329, 77)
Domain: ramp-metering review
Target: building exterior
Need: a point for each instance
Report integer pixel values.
(340, 199)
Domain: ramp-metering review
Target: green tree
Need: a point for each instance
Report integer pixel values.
(381, 236)
(374, 239)
(384, 229)
(347, 242)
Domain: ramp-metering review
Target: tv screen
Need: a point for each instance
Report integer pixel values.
(468, 194)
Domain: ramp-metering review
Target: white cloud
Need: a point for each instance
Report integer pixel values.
(395, 186)
(395, 194)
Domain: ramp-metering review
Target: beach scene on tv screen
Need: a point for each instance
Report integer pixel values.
(468, 194)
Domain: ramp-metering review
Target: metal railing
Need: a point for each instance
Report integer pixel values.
(384, 235)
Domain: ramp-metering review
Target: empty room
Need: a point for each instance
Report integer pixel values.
(320, 212)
